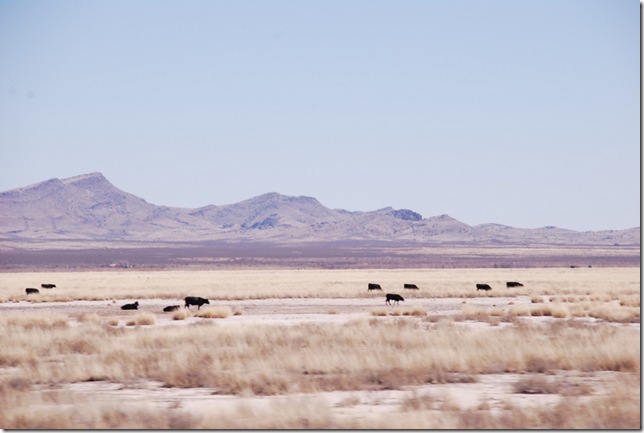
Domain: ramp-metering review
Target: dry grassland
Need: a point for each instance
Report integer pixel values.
(279, 376)
(609, 283)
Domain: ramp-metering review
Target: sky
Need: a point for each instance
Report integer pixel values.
(523, 113)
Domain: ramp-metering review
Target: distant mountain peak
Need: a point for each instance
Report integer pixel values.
(95, 176)
(277, 197)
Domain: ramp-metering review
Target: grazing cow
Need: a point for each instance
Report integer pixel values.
(31, 291)
(195, 300)
(373, 286)
(411, 286)
(513, 284)
(171, 308)
(134, 306)
(393, 297)
(485, 287)
(47, 286)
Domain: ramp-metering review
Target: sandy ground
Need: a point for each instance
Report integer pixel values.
(283, 311)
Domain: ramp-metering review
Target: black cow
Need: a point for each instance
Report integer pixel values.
(171, 308)
(31, 291)
(47, 286)
(373, 286)
(411, 286)
(513, 284)
(393, 297)
(134, 306)
(485, 287)
(195, 300)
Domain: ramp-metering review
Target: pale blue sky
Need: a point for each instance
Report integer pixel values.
(525, 113)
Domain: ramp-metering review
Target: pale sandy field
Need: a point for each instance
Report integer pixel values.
(313, 329)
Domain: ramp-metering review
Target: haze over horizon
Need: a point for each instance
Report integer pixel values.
(525, 114)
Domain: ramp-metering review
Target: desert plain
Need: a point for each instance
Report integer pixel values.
(313, 348)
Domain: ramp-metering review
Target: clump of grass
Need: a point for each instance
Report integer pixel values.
(629, 301)
(378, 312)
(214, 313)
(142, 319)
(113, 322)
(37, 321)
(239, 311)
(613, 313)
(557, 310)
(89, 318)
(417, 402)
(181, 314)
(416, 311)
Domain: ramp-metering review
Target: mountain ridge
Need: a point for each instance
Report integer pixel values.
(89, 207)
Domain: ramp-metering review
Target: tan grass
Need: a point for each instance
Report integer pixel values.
(252, 283)
(374, 354)
(615, 410)
(413, 311)
(181, 314)
(89, 317)
(214, 313)
(275, 360)
(142, 319)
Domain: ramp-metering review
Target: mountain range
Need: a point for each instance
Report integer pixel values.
(89, 207)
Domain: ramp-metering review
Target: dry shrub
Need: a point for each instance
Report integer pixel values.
(142, 319)
(416, 311)
(520, 310)
(214, 313)
(557, 310)
(113, 322)
(181, 315)
(238, 311)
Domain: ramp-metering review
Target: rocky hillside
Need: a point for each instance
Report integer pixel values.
(89, 207)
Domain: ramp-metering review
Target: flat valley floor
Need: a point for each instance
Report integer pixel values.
(316, 349)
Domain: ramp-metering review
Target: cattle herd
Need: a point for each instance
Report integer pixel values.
(198, 301)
